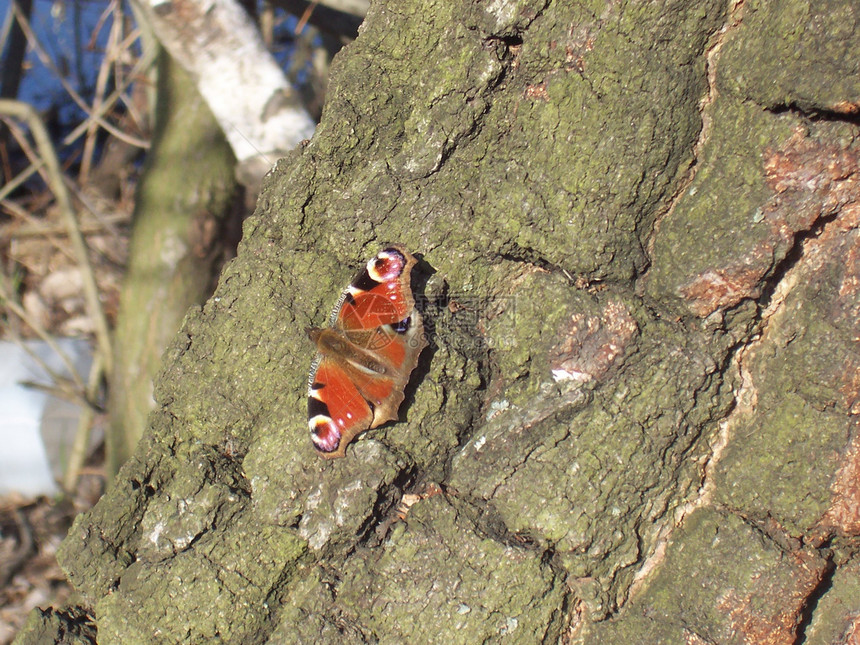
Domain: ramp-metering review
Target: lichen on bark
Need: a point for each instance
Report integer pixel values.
(638, 418)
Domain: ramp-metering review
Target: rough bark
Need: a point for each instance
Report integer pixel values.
(639, 418)
(186, 200)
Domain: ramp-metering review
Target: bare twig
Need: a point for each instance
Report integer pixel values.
(30, 229)
(16, 211)
(144, 63)
(47, 62)
(107, 222)
(60, 387)
(336, 17)
(98, 96)
(8, 21)
(78, 453)
(305, 17)
(30, 153)
(137, 73)
(36, 228)
(21, 138)
(18, 557)
(109, 10)
(22, 176)
(267, 24)
(27, 113)
(11, 305)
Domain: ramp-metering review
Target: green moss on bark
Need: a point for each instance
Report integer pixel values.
(797, 54)
(719, 221)
(571, 414)
(225, 588)
(722, 582)
(409, 592)
(782, 440)
(568, 473)
(73, 625)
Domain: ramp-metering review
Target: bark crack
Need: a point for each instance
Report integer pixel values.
(807, 613)
(744, 403)
(816, 114)
(787, 274)
(706, 103)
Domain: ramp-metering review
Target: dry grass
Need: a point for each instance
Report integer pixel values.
(64, 228)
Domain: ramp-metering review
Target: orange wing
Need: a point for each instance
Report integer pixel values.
(367, 355)
(380, 294)
(336, 410)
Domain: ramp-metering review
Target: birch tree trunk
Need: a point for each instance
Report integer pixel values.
(216, 42)
(638, 419)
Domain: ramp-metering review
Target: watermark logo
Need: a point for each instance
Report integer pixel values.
(479, 322)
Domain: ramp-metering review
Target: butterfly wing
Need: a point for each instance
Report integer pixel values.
(368, 354)
(381, 293)
(336, 410)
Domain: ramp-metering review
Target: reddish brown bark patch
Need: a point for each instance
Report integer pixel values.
(844, 513)
(811, 182)
(846, 107)
(777, 625)
(725, 287)
(590, 344)
(852, 636)
(537, 92)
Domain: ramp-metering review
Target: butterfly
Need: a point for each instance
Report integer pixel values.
(366, 355)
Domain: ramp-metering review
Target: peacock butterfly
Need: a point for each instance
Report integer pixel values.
(365, 356)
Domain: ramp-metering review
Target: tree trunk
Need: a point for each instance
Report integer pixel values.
(185, 200)
(260, 114)
(637, 422)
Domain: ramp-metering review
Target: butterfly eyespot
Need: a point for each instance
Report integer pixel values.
(387, 265)
(366, 356)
